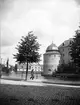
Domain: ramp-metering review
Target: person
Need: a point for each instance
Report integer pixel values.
(32, 74)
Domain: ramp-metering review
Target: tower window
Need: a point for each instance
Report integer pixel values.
(54, 55)
(63, 44)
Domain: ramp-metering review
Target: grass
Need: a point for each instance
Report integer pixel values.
(36, 95)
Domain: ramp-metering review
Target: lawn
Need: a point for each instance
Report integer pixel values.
(38, 95)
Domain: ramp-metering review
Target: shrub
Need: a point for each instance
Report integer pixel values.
(66, 68)
(6, 70)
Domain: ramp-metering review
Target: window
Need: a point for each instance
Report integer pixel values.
(63, 44)
(35, 68)
(54, 56)
(29, 66)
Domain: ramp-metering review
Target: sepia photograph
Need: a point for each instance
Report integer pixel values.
(39, 52)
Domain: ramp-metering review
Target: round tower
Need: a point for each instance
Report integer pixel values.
(50, 59)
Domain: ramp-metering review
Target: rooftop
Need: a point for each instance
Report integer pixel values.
(52, 47)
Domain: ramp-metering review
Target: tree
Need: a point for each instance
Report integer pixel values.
(7, 63)
(75, 51)
(28, 50)
(15, 68)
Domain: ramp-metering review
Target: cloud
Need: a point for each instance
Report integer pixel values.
(5, 7)
(7, 36)
(50, 20)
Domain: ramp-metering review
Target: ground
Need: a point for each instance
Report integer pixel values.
(15, 91)
(38, 95)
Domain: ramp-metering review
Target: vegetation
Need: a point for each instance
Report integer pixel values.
(74, 65)
(7, 63)
(6, 70)
(28, 50)
(67, 72)
(15, 68)
(66, 68)
(75, 51)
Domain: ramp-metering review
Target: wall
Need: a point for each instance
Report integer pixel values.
(35, 66)
(50, 63)
(65, 56)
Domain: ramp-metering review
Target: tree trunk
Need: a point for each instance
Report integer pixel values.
(26, 70)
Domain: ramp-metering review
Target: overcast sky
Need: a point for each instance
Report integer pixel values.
(50, 20)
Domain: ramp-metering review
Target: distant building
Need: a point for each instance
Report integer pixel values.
(51, 59)
(36, 66)
(64, 49)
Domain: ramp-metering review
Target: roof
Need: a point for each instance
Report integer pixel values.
(66, 43)
(51, 47)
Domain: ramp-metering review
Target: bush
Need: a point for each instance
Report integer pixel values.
(5, 70)
(66, 68)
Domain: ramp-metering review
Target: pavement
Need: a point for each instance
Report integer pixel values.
(39, 80)
(36, 83)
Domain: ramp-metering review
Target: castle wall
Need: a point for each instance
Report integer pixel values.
(50, 63)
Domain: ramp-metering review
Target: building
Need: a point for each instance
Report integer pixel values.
(64, 49)
(36, 66)
(51, 59)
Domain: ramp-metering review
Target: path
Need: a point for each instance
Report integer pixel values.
(34, 83)
(17, 79)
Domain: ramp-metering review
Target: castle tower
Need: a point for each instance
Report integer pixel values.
(50, 59)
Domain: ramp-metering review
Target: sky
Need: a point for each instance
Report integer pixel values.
(50, 20)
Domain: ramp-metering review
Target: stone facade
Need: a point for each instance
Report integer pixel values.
(51, 60)
(64, 49)
(36, 66)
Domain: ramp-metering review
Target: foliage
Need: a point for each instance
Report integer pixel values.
(6, 70)
(7, 63)
(15, 68)
(66, 68)
(28, 50)
(75, 51)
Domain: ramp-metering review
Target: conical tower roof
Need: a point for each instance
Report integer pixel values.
(52, 47)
